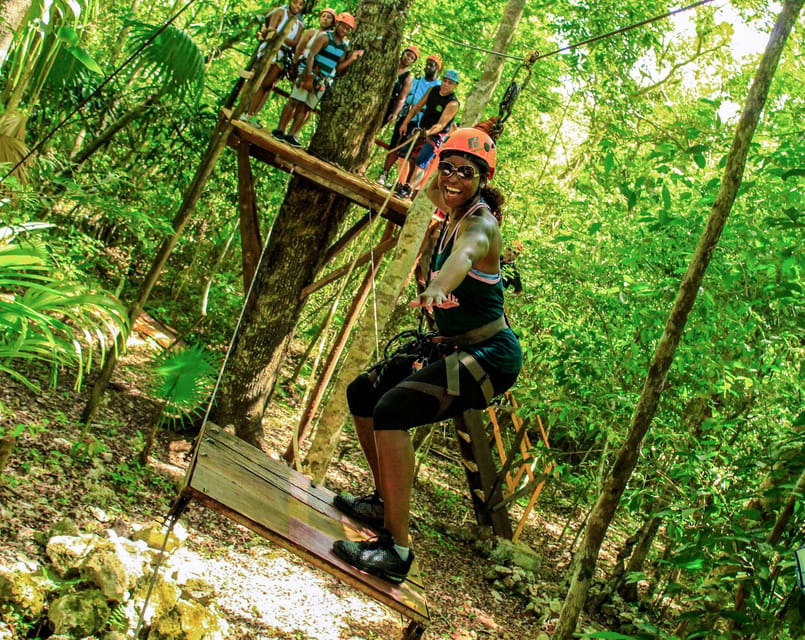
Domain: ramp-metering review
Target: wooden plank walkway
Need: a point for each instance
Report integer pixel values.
(364, 192)
(282, 505)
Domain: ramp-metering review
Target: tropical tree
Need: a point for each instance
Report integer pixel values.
(309, 218)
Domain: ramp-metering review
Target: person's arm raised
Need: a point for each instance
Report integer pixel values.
(470, 246)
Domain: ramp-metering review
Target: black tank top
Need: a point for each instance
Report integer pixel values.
(434, 107)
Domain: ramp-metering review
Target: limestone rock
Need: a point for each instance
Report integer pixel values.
(516, 554)
(79, 614)
(24, 591)
(154, 535)
(164, 596)
(189, 621)
(68, 552)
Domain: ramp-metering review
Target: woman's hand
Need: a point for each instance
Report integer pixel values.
(432, 297)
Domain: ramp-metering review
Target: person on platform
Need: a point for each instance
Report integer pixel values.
(419, 87)
(438, 108)
(273, 24)
(328, 57)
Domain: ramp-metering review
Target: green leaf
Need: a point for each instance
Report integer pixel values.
(594, 228)
(84, 58)
(68, 35)
(698, 158)
(800, 420)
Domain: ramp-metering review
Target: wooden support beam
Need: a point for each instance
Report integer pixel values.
(509, 460)
(364, 192)
(349, 235)
(481, 481)
(379, 250)
(251, 244)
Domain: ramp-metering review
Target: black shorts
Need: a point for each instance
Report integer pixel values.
(398, 399)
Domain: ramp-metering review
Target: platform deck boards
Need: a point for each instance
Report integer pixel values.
(360, 190)
(283, 506)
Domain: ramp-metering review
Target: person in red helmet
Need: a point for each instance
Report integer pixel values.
(328, 56)
(402, 86)
(326, 23)
(465, 295)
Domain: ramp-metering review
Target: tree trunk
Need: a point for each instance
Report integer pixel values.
(310, 217)
(607, 501)
(12, 14)
(362, 348)
(493, 67)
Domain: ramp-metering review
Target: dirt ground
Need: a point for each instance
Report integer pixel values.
(90, 475)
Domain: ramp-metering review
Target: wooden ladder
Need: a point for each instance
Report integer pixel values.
(493, 488)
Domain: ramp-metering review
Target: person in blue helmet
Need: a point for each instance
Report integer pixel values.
(439, 107)
(419, 87)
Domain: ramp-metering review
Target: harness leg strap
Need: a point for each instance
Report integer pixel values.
(451, 366)
(477, 371)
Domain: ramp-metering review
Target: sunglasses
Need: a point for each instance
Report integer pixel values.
(465, 172)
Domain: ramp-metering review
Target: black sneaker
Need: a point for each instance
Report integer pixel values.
(279, 134)
(366, 509)
(293, 141)
(376, 556)
(403, 191)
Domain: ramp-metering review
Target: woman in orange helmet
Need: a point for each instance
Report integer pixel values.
(465, 295)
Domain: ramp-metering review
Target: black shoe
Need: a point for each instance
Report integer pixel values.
(292, 140)
(403, 191)
(366, 509)
(376, 556)
(279, 134)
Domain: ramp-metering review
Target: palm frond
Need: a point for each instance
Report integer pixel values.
(184, 380)
(44, 316)
(172, 60)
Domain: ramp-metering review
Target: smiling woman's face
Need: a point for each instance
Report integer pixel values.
(456, 189)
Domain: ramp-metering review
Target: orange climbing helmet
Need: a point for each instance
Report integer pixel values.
(436, 59)
(330, 11)
(346, 18)
(413, 49)
(474, 144)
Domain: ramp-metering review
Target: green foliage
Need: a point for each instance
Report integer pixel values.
(171, 60)
(184, 381)
(46, 317)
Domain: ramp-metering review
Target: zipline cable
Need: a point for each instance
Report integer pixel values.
(97, 90)
(627, 28)
(569, 47)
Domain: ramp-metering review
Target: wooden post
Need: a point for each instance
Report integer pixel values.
(249, 224)
(479, 466)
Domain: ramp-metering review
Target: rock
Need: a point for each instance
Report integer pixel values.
(198, 590)
(188, 621)
(24, 591)
(164, 597)
(79, 614)
(68, 552)
(104, 569)
(516, 554)
(154, 535)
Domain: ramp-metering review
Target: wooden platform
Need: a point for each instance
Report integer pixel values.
(362, 191)
(283, 506)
